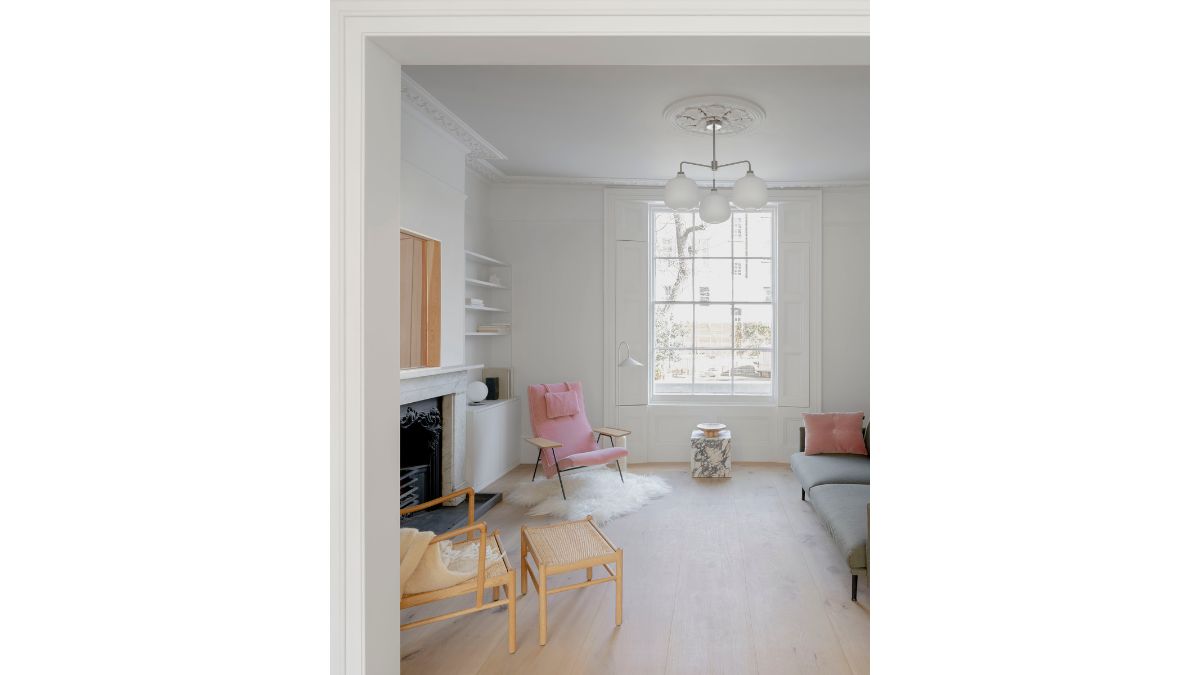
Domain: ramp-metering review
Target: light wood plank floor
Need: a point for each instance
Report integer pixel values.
(721, 576)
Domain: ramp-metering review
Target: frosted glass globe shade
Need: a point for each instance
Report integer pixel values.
(476, 392)
(714, 208)
(681, 192)
(750, 191)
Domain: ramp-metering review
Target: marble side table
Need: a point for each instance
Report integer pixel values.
(711, 457)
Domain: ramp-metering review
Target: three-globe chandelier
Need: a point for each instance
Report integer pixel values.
(682, 193)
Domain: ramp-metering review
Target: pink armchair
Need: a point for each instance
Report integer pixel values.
(563, 435)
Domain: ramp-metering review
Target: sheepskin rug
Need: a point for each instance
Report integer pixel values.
(597, 491)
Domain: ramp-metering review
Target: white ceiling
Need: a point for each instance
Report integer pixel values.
(607, 122)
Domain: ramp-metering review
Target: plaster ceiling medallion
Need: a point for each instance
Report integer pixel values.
(693, 114)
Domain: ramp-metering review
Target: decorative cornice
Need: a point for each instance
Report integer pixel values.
(659, 182)
(485, 170)
(433, 109)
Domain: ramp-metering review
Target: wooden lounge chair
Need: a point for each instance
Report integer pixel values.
(495, 576)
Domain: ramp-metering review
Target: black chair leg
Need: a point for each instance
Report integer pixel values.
(621, 473)
(535, 466)
(802, 494)
(558, 473)
(854, 587)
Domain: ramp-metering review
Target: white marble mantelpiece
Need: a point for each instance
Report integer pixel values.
(448, 383)
(413, 373)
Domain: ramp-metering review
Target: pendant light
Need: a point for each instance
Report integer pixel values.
(682, 193)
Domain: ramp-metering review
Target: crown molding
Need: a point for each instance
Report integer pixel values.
(477, 146)
(485, 170)
(660, 182)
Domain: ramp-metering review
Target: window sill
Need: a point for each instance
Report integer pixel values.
(720, 402)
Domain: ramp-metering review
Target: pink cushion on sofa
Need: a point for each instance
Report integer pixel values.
(561, 404)
(834, 433)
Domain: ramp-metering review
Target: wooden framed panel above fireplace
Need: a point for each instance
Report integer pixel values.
(420, 300)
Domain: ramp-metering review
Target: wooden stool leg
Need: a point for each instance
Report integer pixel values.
(495, 593)
(620, 570)
(524, 564)
(511, 585)
(541, 605)
(589, 574)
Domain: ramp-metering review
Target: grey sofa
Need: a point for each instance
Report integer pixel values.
(839, 488)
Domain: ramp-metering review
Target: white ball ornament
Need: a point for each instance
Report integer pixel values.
(476, 392)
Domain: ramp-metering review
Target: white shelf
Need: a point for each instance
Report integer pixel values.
(480, 282)
(484, 405)
(486, 309)
(479, 257)
(491, 334)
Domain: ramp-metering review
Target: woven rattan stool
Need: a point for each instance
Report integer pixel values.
(565, 547)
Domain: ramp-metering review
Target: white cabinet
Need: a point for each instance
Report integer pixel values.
(492, 430)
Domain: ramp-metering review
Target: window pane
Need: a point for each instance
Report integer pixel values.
(752, 324)
(753, 280)
(739, 235)
(752, 372)
(758, 234)
(672, 326)
(714, 326)
(673, 372)
(669, 229)
(712, 240)
(714, 274)
(712, 371)
(672, 279)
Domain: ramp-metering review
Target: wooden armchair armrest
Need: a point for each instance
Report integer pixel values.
(611, 432)
(468, 491)
(544, 443)
(481, 573)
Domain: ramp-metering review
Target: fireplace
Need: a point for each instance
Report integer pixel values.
(421, 452)
(433, 413)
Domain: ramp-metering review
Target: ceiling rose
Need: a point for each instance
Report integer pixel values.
(735, 113)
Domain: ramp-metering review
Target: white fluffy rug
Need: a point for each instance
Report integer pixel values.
(597, 491)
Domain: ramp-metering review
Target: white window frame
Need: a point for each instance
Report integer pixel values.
(722, 399)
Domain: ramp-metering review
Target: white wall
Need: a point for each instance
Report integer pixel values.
(478, 237)
(553, 236)
(433, 189)
(846, 350)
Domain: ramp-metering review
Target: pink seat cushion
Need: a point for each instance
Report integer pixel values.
(573, 431)
(834, 433)
(592, 458)
(561, 404)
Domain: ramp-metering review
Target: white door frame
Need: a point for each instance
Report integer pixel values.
(352, 22)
